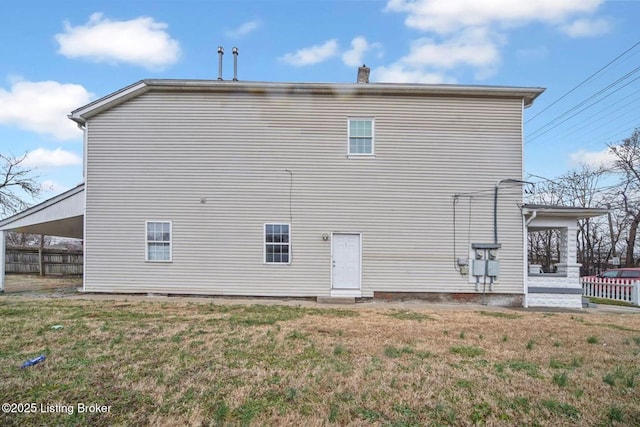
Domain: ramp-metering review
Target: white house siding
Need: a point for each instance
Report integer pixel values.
(156, 156)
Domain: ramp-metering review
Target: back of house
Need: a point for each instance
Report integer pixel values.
(304, 189)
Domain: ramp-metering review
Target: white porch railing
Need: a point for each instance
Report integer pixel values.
(627, 290)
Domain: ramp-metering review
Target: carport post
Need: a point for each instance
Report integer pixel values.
(3, 255)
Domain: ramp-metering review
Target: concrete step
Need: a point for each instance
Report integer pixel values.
(335, 300)
(588, 304)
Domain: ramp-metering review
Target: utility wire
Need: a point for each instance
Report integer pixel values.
(583, 82)
(598, 116)
(533, 138)
(580, 104)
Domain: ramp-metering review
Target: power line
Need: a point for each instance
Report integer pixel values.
(580, 104)
(599, 115)
(533, 138)
(583, 82)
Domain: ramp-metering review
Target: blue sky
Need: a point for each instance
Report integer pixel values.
(58, 56)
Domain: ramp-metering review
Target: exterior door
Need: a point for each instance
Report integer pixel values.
(345, 262)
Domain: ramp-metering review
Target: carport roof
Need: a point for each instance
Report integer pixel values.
(562, 211)
(61, 215)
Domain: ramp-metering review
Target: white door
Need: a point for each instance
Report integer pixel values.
(345, 263)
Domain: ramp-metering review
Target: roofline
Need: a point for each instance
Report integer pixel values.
(80, 115)
(108, 101)
(551, 210)
(43, 205)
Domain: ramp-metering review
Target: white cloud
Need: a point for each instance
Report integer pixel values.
(43, 158)
(472, 33)
(428, 60)
(42, 107)
(450, 16)
(359, 47)
(141, 41)
(596, 159)
(244, 29)
(586, 28)
(400, 73)
(471, 47)
(312, 55)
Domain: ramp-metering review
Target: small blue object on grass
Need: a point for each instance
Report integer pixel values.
(32, 362)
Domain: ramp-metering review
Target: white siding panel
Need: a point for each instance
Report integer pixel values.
(156, 156)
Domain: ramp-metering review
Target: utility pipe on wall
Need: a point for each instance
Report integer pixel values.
(495, 203)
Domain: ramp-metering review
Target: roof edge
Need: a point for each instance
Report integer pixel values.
(528, 93)
(555, 210)
(42, 205)
(80, 115)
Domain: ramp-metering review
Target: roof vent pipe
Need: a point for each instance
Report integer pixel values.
(220, 53)
(363, 74)
(235, 64)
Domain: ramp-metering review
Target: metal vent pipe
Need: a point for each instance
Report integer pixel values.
(235, 64)
(220, 53)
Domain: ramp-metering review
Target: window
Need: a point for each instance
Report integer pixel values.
(360, 136)
(158, 241)
(277, 244)
(630, 274)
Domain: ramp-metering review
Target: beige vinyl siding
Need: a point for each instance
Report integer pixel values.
(155, 157)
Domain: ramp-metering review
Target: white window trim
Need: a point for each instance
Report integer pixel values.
(264, 243)
(373, 137)
(146, 241)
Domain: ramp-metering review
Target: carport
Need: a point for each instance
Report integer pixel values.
(561, 288)
(62, 216)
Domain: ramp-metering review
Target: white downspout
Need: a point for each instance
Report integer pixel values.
(533, 216)
(3, 255)
(85, 142)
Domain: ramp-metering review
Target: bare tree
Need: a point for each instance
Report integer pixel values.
(25, 239)
(543, 245)
(577, 188)
(627, 162)
(16, 183)
(584, 190)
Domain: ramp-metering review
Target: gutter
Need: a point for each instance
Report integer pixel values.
(495, 203)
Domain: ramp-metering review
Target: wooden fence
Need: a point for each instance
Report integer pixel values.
(51, 261)
(627, 290)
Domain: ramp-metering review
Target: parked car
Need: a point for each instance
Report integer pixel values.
(622, 273)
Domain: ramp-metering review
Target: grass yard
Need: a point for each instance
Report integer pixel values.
(178, 363)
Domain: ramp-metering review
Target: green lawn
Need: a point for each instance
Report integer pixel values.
(177, 363)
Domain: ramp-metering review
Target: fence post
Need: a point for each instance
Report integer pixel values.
(41, 255)
(635, 292)
(585, 287)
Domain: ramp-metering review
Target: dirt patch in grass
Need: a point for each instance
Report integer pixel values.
(171, 363)
(35, 285)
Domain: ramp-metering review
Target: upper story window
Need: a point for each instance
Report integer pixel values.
(158, 241)
(277, 244)
(361, 132)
